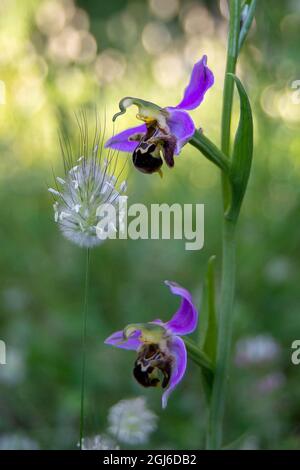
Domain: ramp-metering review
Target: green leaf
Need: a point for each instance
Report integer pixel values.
(201, 359)
(208, 324)
(242, 153)
(210, 150)
(208, 327)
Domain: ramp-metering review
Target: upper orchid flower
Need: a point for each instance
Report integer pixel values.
(161, 353)
(166, 130)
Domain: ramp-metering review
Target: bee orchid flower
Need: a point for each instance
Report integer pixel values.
(165, 130)
(161, 352)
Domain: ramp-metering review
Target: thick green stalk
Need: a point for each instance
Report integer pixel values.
(84, 325)
(214, 435)
(217, 407)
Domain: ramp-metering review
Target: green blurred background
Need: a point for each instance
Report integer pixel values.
(56, 56)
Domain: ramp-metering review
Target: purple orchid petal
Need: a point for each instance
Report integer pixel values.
(201, 80)
(181, 126)
(117, 340)
(178, 350)
(122, 140)
(185, 319)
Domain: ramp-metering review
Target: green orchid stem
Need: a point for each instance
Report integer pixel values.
(217, 405)
(210, 151)
(84, 328)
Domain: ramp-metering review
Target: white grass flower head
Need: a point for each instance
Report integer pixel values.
(91, 180)
(131, 421)
(99, 442)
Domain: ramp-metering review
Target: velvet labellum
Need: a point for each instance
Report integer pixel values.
(161, 353)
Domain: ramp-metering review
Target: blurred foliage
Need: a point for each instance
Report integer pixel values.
(56, 57)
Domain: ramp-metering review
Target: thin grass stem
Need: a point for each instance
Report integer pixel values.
(84, 331)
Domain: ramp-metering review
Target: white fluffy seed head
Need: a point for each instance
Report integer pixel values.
(89, 182)
(131, 421)
(99, 442)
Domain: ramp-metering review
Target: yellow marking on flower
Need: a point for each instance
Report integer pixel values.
(150, 332)
(145, 119)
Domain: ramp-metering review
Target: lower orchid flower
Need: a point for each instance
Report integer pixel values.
(165, 130)
(161, 352)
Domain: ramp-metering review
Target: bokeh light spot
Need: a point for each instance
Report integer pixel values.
(164, 9)
(110, 65)
(155, 37)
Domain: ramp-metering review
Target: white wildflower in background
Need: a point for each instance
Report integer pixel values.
(131, 421)
(99, 442)
(89, 182)
(255, 350)
(16, 441)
